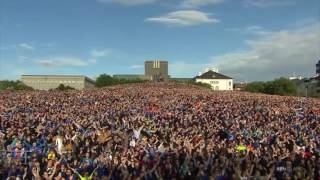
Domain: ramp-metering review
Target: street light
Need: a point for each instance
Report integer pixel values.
(306, 91)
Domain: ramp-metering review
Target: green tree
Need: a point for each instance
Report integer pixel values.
(280, 86)
(284, 87)
(205, 85)
(105, 80)
(269, 88)
(62, 87)
(255, 87)
(14, 85)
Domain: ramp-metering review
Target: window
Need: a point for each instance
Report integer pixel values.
(229, 83)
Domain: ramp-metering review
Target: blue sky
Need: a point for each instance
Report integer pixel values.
(246, 39)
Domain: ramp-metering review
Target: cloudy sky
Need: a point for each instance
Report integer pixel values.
(246, 39)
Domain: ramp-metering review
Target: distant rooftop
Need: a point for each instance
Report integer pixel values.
(53, 75)
(212, 75)
(156, 60)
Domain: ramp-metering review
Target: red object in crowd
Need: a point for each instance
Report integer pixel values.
(307, 155)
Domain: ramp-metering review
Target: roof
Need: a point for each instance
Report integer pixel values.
(128, 75)
(151, 61)
(53, 75)
(212, 75)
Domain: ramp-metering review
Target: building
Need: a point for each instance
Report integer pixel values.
(218, 82)
(156, 70)
(183, 80)
(318, 68)
(239, 86)
(153, 71)
(296, 77)
(130, 76)
(47, 82)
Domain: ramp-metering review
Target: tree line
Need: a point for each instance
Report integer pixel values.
(107, 80)
(281, 86)
(13, 85)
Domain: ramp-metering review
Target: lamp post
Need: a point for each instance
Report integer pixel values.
(306, 91)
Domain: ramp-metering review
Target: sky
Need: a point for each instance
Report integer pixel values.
(249, 40)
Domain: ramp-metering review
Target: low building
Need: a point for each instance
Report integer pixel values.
(47, 82)
(296, 77)
(130, 76)
(309, 87)
(239, 86)
(181, 79)
(218, 82)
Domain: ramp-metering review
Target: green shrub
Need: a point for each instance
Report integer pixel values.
(62, 87)
(205, 85)
(255, 87)
(14, 85)
(280, 86)
(107, 80)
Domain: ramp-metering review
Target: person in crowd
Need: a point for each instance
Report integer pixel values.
(158, 131)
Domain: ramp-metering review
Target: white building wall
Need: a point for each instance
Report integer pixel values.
(47, 82)
(218, 84)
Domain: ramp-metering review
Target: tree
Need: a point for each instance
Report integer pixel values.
(255, 87)
(104, 80)
(14, 85)
(107, 80)
(284, 87)
(21, 86)
(280, 86)
(205, 85)
(62, 87)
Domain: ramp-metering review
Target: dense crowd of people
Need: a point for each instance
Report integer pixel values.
(158, 131)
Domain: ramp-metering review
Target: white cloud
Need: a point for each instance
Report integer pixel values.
(128, 2)
(198, 3)
(253, 30)
(274, 55)
(267, 3)
(100, 53)
(61, 62)
(136, 66)
(26, 46)
(184, 18)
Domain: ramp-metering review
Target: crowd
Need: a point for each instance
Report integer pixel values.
(158, 131)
